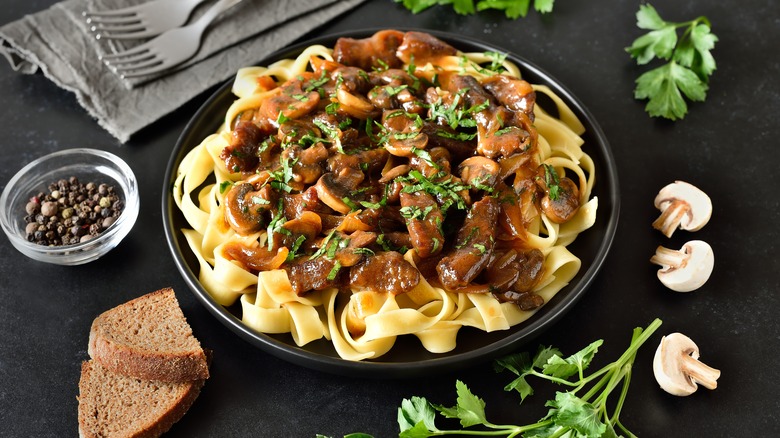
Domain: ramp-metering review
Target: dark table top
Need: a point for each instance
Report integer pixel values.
(726, 146)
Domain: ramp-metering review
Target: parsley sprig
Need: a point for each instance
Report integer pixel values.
(513, 9)
(581, 411)
(688, 67)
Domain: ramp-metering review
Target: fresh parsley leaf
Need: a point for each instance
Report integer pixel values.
(470, 409)
(664, 87)
(689, 62)
(516, 8)
(660, 41)
(416, 418)
(574, 364)
(512, 8)
(573, 412)
(571, 415)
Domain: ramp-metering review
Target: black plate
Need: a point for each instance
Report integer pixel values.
(407, 358)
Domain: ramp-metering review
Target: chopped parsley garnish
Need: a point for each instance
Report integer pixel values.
(446, 190)
(224, 185)
(282, 177)
(281, 118)
(334, 272)
(455, 116)
(460, 136)
(426, 156)
(331, 133)
(295, 247)
(472, 233)
(364, 251)
(260, 201)
(323, 246)
(552, 181)
(316, 84)
(276, 225)
(392, 91)
(496, 61)
(350, 203)
(414, 212)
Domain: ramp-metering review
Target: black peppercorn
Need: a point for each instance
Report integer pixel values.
(71, 212)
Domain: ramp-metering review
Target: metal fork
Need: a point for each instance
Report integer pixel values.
(166, 50)
(141, 21)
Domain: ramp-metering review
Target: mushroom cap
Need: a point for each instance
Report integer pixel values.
(694, 207)
(677, 369)
(687, 269)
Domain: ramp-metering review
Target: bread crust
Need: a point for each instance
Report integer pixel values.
(134, 360)
(92, 407)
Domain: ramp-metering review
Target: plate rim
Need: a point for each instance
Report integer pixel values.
(528, 330)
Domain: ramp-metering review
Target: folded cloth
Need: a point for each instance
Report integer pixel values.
(57, 42)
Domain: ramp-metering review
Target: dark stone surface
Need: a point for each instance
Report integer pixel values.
(726, 146)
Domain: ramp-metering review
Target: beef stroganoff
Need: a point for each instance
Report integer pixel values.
(387, 186)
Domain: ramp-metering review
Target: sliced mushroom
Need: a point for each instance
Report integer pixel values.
(561, 195)
(479, 172)
(515, 94)
(394, 173)
(355, 105)
(683, 206)
(291, 99)
(308, 225)
(687, 269)
(244, 207)
(332, 188)
(677, 368)
(403, 134)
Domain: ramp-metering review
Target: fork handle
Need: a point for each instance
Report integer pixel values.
(213, 12)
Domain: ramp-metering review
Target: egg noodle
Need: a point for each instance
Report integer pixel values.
(432, 314)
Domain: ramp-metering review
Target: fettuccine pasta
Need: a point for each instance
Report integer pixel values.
(390, 186)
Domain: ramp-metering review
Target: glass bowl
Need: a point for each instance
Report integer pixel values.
(88, 165)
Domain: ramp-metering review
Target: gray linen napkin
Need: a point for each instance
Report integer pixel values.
(57, 43)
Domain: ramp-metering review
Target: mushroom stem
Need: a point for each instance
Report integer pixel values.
(671, 217)
(669, 258)
(686, 269)
(699, 372)
(682, 206)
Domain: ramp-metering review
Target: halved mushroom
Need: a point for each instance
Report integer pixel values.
(683, 206)
(332, 189)
(403, 133)
(561, 195)
(479, 172)
(354, 105)
(677, 368)
(244, 207)
(515, 94)
(687, 269)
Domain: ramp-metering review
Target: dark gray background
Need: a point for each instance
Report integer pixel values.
(727, 146)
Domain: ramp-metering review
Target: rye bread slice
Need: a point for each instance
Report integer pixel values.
(117, 406)
(148, 338)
